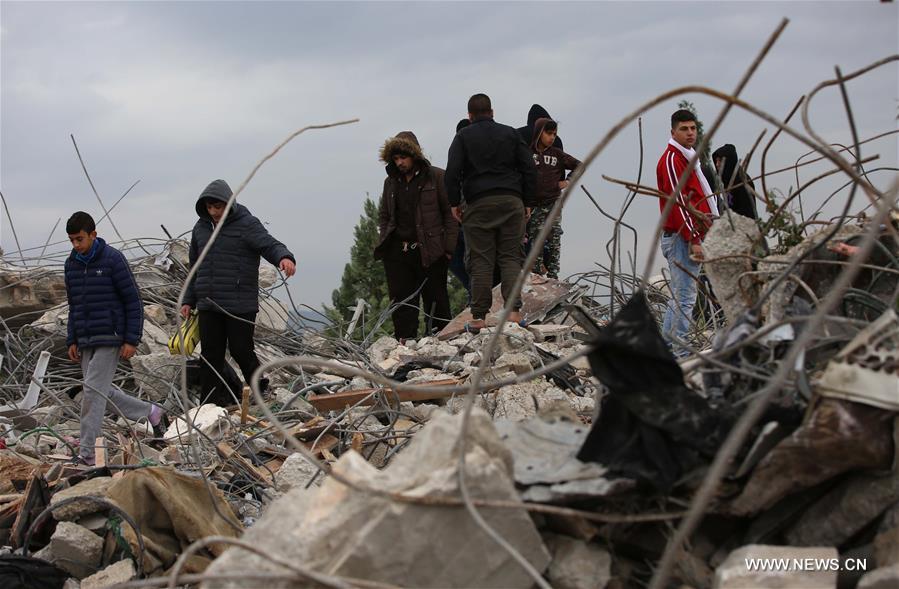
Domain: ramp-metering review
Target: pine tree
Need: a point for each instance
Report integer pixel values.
(363, 277)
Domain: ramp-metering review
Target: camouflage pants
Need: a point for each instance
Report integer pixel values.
(552, 248)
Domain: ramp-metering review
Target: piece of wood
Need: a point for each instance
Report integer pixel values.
(345, 399)
(229, 453)
(244, 405)
(100, 452)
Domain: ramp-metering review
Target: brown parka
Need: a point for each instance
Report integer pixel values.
(435, 226)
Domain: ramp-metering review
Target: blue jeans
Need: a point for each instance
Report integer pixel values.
(679, 313)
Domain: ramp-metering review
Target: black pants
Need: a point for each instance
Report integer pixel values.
(218, 330)
(405, 274)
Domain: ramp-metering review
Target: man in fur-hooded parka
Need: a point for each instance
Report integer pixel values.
(417, 235)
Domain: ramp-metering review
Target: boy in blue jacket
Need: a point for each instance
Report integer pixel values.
(106, 321)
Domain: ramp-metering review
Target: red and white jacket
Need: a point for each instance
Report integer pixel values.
(668, 171)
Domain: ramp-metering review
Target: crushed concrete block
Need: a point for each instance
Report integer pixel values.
(156, 314)
(582, 405)
(550, 331)
(424, 411)
(726, 247)
(471, 358)
(295, 472)
(845, 510)
(515, 402)
(382, 347)
(456, 404)
(362, 535)
(154, 341)
(272, 315)
(518, 362)
(53, 323)
(576, 564)
(77, 550)
(268, 275)
(96, 487)
(156, 374)
(210, 419)
(735, 574)
(550, 397)
(881, 578)
(71, 584)
(28, 291)
(114, 574)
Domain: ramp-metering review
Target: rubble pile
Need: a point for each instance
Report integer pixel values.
(584, 444)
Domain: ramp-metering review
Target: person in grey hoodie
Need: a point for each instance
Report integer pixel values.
(225, 289)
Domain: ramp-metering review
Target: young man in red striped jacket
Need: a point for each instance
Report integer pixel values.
(685, 226)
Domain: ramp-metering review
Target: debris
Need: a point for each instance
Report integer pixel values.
(95, 487)
(576, 564)
(210, 420)
(114, 574)
(296, 472)
(76, 549)
(727, 249)
(881, 578)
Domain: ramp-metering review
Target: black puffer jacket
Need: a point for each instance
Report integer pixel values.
(228, 278)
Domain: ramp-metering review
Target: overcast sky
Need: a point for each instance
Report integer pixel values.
(177, 94)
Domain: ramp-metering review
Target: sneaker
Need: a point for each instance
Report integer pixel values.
(159, 421)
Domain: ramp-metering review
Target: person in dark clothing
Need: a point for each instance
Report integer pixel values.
(739, 190)
(457, 263)
(491, 165)
(527, 132)
(417, 236)
(106, 322)
(551, 164)
(225, 289)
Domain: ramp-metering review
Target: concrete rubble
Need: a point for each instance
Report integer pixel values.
(815, 479)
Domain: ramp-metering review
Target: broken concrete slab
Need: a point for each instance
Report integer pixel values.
(154, 341)
(516, 402)
(576, 564)
(296, 471)
(881, 578)
(95, 487)
(837, 437)
(549, 332)
(156, 374)
(77, 550)
(363, 535)
(24, 293)
(156, 314)
(210, 419)
(114, 574)
(539, 295)
(845, 510)
(734, 572)
(381, 348)
(517, 362)
(727, 248)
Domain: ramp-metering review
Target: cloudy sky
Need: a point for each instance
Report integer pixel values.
(176, 94)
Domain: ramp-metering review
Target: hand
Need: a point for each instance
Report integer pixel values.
(74, 354)
(696, 252)
(185, 311)
(527, 213)
(844, 249)
(449, 256)
(563, 184)
(127, 351)
(457, 214)
(288, 267)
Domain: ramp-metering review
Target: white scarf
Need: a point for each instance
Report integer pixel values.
(706, 189)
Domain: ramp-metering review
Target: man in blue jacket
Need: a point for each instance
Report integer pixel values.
(225, 288)
(106, 321)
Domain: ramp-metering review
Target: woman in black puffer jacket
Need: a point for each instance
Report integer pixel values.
(225, 289)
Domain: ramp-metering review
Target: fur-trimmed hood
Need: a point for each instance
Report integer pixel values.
(404, 143)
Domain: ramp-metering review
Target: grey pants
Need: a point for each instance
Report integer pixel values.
(98, 366)
(494, 226)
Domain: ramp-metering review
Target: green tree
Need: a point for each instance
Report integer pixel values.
(364, 277)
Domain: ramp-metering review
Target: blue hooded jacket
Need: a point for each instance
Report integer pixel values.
(105, 308)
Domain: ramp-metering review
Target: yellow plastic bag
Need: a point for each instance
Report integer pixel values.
(189, 334)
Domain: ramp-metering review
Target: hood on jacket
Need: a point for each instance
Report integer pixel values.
(537, 112)
(539, 125)
(217, 190)
(462, 124)
(729, 153)
(527, 132)
(404, 143)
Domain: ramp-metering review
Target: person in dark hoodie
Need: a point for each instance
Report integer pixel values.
(551, 164)
(739, 190)
(225, 289)
(457, 263)
(106, 321)
(527, 132)
(417, 236)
